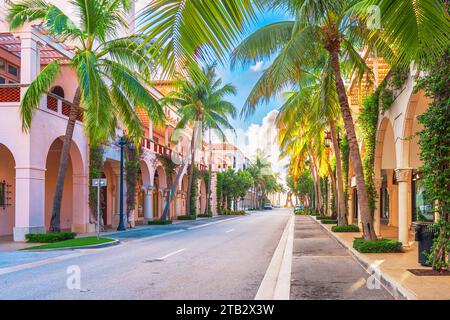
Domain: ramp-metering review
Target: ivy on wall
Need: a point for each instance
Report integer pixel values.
(132, 175)
(434, 142)
(345, 155)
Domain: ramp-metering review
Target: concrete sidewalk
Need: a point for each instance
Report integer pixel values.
(393, 270)
(322, 269)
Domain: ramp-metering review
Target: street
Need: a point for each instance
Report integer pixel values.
(225, 259)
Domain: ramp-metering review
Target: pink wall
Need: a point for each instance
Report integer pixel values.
(7, 173)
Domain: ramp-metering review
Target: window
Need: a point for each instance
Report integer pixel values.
(2, 80)
(3, 194)
(2, 64)
(12, 70)
(422, 205)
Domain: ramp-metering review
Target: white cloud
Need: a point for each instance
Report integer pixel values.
(257, 67)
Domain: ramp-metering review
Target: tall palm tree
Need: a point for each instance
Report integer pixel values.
(202, 105)
(108, 86)
(180, 33)
(410, 31)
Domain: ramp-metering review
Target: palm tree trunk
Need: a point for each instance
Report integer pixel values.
(367, 221)
(55, 224)
(342, 208)
(191, 174)
(208, 191)
(333, 186)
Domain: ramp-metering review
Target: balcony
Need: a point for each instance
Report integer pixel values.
(157, 148)
(11, 93)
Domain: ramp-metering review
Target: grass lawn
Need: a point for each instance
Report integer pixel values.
(78, 242)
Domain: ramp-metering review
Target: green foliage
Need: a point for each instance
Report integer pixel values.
(349, 228)
(329, 221)
(78, 242)
(345, 156)
(159, 222)
(434, 142)
(323, 217)
(187, 217)
(368, 121)
(209, 215)
(377, 246)
(95, 172)
(227, 212)
(132, 175)
(49, 237)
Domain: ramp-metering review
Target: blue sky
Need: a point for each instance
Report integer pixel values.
(245, 79)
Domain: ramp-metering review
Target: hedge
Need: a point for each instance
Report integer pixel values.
(323, 217)
(329, 221)
(187, 217)
(49, 237)
(159, 222)
(349, 228)
(377, 246)
(204, 216)
(233, 213)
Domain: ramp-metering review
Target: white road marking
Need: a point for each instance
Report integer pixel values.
(171, 254)
(228, 231)
(39, 263)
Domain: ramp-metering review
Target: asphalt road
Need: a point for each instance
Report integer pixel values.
(223, 259)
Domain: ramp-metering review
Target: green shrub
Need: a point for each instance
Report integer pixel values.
(323, 217)
(349, 228)
(159, 222)
(377, 246)
(205, 215)
(232, 213)
(50, 237)
(329, 221)
(187, 217)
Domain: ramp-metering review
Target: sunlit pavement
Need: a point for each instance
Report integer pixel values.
(323, 269)
(196, 260)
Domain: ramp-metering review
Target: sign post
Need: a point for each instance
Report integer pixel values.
(98, 183)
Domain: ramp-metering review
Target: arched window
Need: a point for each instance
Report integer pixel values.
(59, 91)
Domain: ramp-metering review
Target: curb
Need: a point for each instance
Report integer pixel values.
(115, 242)
(398, 291)
(276, 284)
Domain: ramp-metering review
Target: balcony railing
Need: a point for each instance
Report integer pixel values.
(11, 93)
(160, 149)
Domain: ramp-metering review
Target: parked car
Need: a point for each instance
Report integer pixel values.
(268, 206)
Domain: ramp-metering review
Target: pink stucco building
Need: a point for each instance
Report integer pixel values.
(29, 161)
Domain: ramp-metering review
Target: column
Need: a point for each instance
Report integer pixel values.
(148, 203)
(29, 62)
(377, 214)
(80, 205)
(403, 178)
(29, 202)
(350, 206)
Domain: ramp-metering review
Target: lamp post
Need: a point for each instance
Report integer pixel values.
(327, 139)
(121, 227)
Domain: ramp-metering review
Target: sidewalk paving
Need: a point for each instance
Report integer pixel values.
(394, 269)
(322, 269)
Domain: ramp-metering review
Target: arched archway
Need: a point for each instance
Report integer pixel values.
(72, 202)
(421, 208)
(7, 191)
(159, 183)
(385, 165)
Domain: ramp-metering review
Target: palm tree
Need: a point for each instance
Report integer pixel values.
(183, 32)
(202, 105)
(109, 87)
(411, 30)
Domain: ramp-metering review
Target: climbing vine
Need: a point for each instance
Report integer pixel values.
(95, 172)
(368, 121)
(434, 142)
(132, 176)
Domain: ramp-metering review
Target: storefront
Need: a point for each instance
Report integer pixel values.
(422, 207)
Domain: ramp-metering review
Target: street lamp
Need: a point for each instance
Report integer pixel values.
(121, 227)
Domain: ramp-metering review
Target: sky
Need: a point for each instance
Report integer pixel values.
(258, 131)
